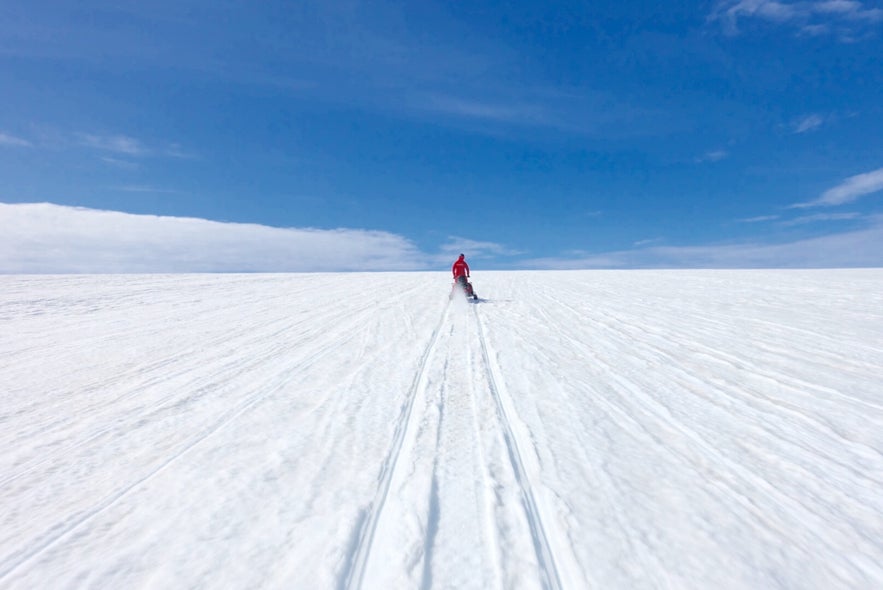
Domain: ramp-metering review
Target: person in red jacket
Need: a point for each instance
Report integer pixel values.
(460, 268)
(461, 278)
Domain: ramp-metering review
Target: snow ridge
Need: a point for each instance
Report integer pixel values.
(354, 573)
(545, 556)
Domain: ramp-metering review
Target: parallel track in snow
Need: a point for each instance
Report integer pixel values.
(225, 371)
(545, 557)
(354, 573)
(62, 530)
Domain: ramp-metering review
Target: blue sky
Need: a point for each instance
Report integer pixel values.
(526, 134)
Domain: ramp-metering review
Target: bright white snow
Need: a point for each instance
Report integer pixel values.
(593, 429)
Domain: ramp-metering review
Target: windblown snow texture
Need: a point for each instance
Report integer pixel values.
(639, 429)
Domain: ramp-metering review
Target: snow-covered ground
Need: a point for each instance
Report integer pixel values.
(635, 429)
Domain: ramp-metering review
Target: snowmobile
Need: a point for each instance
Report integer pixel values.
(461, 282)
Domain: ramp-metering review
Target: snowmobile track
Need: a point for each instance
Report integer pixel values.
(64, 529)
(354, 573)
(224, 372)
(545, 557)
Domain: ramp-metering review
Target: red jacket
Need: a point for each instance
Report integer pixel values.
(460, 268)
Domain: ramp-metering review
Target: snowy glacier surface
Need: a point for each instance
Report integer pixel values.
(590, 429)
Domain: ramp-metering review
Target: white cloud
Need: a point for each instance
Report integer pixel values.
(839, 6)
(808, 123)
(123, 145)
(713, 156)
(821, 217)
(849, 190)
(730, 11)
(473, 248)
(849, 9)
(176, 151)
(47, 238)
(137, 188)
(11, 140)
(815, 30)
(113, 148)
(844, 17)
(858, 248)
(119, 144)
(124, 164)
(476, 109)
(758, 219)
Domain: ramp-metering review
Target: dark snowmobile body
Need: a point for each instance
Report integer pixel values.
(463, 284)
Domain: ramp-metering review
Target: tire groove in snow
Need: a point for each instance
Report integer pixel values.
(642, 559)
(732, 393)
(225, 372)
(731, 479)
(354, 572)
(59, 532)
(545, 556)
(484, 453)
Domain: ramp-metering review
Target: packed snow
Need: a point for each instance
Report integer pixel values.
(591, 429)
